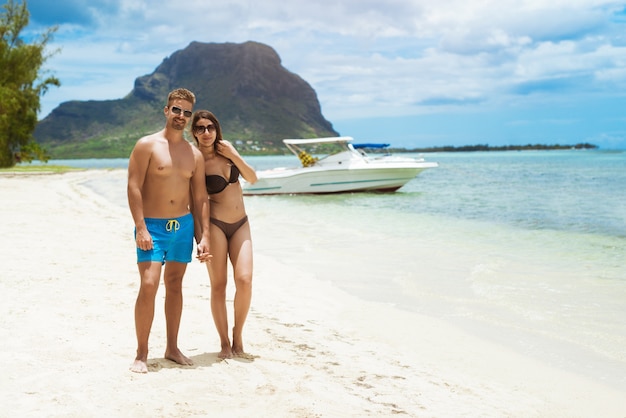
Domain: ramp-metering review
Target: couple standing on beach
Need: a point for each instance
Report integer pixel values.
(178, 192)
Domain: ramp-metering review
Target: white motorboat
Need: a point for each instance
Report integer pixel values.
(341, 167)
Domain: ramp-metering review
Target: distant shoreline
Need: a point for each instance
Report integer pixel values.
(445, 148)
(277, 152)
(485, 147)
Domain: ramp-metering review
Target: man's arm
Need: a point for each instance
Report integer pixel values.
(137, 170)
(197, 226)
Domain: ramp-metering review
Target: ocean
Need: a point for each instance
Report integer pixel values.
(525, 249)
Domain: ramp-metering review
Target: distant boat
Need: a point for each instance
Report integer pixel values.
(344, 167)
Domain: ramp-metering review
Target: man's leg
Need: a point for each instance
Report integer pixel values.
(173, 279)
(150, 274)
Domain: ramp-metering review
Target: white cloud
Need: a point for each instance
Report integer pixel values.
(364, 58)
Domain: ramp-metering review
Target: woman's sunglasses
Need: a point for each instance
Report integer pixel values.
(199, 129)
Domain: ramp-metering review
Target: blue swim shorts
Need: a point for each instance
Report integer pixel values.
(172, 240)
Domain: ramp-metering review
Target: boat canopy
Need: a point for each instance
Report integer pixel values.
(334, 139)
(373, 146)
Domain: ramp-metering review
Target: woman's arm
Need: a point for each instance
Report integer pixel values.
(226, 149)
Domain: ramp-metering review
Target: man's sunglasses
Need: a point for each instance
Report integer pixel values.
(177, 110)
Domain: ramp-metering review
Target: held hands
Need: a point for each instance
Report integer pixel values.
(202, 249)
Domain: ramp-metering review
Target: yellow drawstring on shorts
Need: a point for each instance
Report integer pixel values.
(172, 224)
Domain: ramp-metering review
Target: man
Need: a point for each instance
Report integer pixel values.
(162, 170)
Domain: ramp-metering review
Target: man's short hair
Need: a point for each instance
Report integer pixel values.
(181, 94)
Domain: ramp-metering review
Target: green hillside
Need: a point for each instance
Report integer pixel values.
(257, 100)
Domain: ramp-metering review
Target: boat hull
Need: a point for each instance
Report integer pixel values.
(325, 180)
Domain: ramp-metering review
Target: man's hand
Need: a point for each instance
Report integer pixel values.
(143, 239)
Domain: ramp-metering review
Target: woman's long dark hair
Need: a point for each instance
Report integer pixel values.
(205, 114)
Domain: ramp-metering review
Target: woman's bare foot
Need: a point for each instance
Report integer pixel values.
(139, 366)
(237, 348)
(177, 357)
(226, 351)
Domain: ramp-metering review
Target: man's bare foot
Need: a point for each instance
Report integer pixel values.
(177, 357)
(139, 366)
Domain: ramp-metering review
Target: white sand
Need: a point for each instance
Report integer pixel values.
(68, 284)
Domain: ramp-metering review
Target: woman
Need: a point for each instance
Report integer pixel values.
(229, 227)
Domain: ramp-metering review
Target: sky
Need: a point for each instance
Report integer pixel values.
(412, 73)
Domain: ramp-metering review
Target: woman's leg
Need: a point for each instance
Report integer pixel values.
(217, 268)
(240, 247)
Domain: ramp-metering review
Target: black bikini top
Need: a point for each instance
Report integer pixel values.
(216, 183)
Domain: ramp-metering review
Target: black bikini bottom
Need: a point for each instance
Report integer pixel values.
(229, 229)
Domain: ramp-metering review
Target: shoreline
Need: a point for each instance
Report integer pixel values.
(68, 292)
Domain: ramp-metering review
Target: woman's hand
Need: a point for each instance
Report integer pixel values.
(226, 149)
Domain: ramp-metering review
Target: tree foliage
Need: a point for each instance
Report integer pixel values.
(21, 85)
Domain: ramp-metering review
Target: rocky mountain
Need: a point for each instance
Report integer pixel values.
(257, 100)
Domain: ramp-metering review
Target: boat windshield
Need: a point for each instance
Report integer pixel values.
(313, 150)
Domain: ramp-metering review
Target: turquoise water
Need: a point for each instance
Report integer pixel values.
(525, 249)
(564, 190)
(581, 191)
